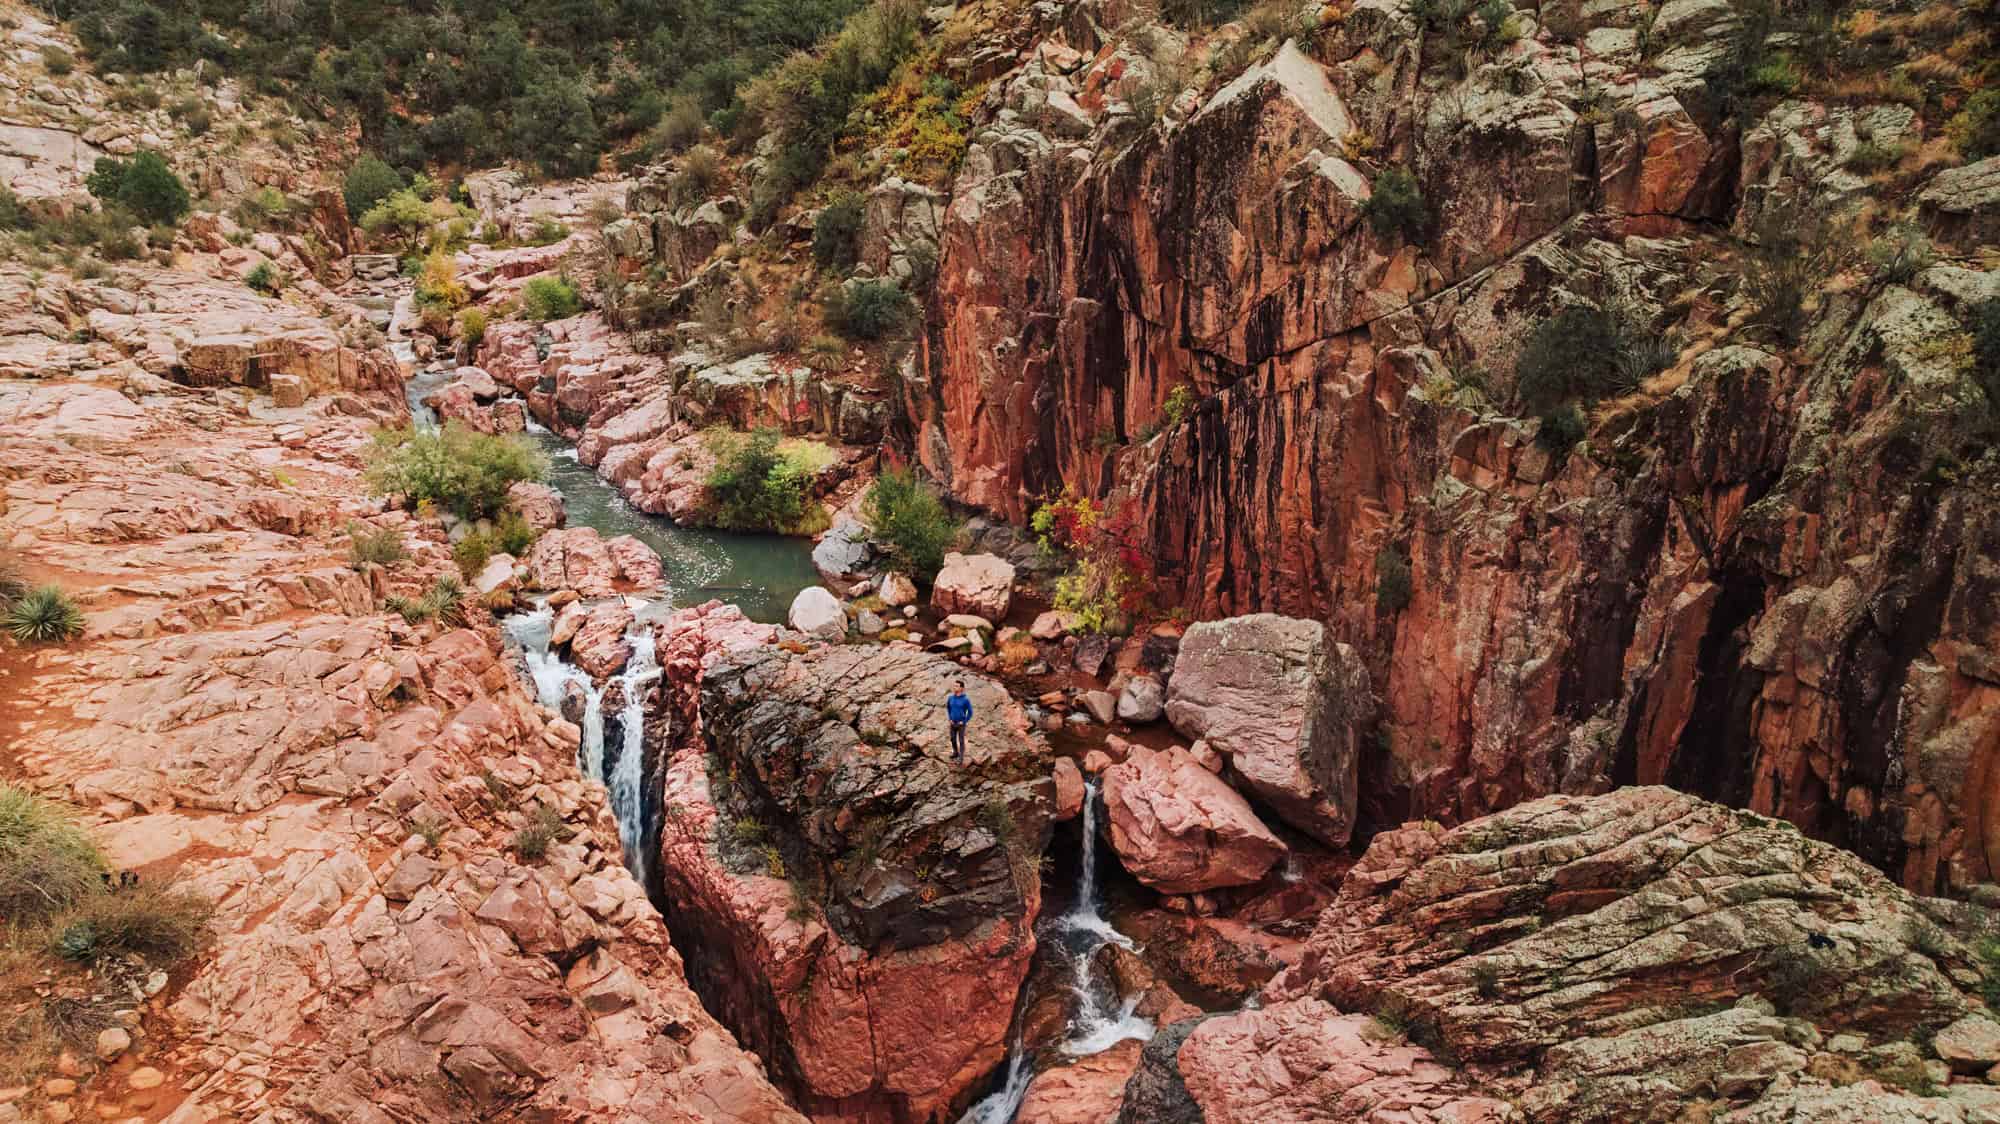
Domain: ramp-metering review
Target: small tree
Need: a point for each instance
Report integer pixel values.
(368, 182)
(837, 233)
(1395, 206)
(143, 185)
(402, 216)
(870, 310)
(906, 515)
(550, 298)
(1573, 354)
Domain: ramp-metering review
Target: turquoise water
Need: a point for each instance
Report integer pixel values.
(759, 574)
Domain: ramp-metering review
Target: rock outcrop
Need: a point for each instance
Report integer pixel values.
(1724, 589)
(1286, 707)
(867, 908)
(241, 716)
(1588, 954)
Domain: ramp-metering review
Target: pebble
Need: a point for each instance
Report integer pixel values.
(146, 1077)
(113, 1041)
(59, 1086)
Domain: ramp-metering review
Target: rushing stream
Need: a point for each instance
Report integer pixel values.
(1102, 1020)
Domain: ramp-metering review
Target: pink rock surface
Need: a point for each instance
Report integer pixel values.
(979, 584)
(574, 558)
(1180, 829)
(1086, 1091)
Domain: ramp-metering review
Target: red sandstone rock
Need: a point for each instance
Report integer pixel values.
(539, 505)
(1069, 789)
(575, 558)
(599, 646)
(1086, 1091)
(1179, 829)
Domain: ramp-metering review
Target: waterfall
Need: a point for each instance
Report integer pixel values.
(624, 777)
(1102, 1020)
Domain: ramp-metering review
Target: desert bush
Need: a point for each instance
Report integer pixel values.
(453, 467)
(44, 615)
(698, 176)
(405, 217)
(1395, 207)
(1393, 582)
(836, 240)
(367, 546)
(550, 298)
(57, 61)
(910, 520)
(443, 602)
(825, 353)
(1179, 404)
(1561, 429)
(264, 279)
(262, 208)
(158, 921)
(143, 185)
(472, 326)
(681, 125)
(545, 827)
(1900, 253)
(1975, 129)
(1986, 349)
(547, 232)
(513, 534)
(472, 553)
(47, 863)
(1793, 252)
(870, 310)
(1584, 352)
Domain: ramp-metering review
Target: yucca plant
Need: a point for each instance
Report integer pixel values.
(44, 615)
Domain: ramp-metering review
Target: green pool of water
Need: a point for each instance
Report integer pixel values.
(758, 573)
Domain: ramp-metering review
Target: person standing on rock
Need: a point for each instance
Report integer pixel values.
(958, 708)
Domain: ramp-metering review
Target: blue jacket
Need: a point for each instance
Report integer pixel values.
(959, 707)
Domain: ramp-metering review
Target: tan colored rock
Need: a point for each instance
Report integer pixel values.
(978, 584)
(112, 1041)
(539, 505)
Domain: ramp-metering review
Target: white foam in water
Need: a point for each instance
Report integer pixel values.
(1097, 1026)
(552, 677)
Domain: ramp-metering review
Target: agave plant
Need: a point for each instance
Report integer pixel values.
(44, 615)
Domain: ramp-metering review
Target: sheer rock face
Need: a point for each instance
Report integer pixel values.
(241, 714)
(1645, 946)
(868, 907)
(1747, 584)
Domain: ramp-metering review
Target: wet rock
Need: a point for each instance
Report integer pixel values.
(1285, 705)
(817, 613)
(599, 647)
(1156, 1093)
(1179, 829)
(1088, 1090)
(539, 505)
(1070, 790)
(575, 558)
(979, 584)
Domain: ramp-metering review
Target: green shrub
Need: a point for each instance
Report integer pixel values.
(837, 233)
(143, 185)
(1179, 404)
(1561, 429)
(44, 615)
(1975, 130)
(1986, 349)
(681, 125)
(514, 535)
(367, 546)
(755, 487)
(264, 279)
(157, 921)
(368, 183)
(453, 467)
(472, 326)
(47, 863)
(1393, 583)
(550, 298)
(547, 232)
(1901, 253)
(1573, 354)
(870, 310)
(404, 216)
(552, 123)
(14, 214)
(57, 61)
(910, 520)
(443, 602)
(1795, 250)
(825, 353)
(472, 553)
(1395, 207)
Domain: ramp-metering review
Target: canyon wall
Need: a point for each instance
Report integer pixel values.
(1768, 576)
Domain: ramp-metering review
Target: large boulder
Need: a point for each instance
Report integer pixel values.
(818, 613)
(979, 584)
(575, 558)
(864, 907)
(843, 551)
(539, 505)
(599, 647)
(1286, 705)
(1088, 1090)
(637, 563)
(1180, 829)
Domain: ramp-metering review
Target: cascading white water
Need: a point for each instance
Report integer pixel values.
(1102, 1020)
(552, 678)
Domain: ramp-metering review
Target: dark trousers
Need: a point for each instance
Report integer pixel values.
(958, 741)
